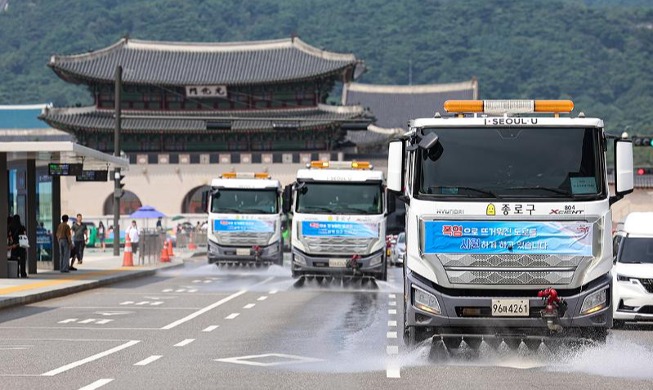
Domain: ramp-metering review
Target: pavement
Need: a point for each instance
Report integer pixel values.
(99, 268)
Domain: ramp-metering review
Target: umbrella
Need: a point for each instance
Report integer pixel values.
(147, 212)
(178, 217)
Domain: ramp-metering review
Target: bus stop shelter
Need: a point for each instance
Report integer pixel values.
(32, 156)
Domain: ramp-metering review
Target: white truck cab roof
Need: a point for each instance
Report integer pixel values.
(639, 224)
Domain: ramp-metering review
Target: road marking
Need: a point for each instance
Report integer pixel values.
(67, 279)
(97, 384)
(167, 290)
(393, 372)
(392, 296)
(112, 313)
(204, 310)
(282, 359)
(15, 347)
(67, 321)
(232, 316)
(392, 349)
(197, 281)
(211, 328)
(393, 303)
(127, 303)
(185, 342)
(391, 335)
(86, 321)
(274, 292)
(249, 306)
(392, 311)
(208, 281)
(149, 360)
(262, 298)
(392, 323)
(90, 358)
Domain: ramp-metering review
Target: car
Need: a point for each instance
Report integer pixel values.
(92, 234)
(633, 271)
(399, 250)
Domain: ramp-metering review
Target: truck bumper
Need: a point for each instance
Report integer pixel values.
(452, 320)
(267, 254)
(304, 264)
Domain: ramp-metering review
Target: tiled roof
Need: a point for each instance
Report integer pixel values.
(394, 105)
(180, 63)
(92, 119)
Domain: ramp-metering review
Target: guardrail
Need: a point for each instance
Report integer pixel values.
(150, 246)
(183, 239)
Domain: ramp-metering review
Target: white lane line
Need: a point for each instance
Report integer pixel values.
(393, 303)
(392, 296)
(207, 281)
(274, 292)
(149, 360)
(391, 335)
(392, 323)
(211, 328)
(167, 290)
(192, 290)
(157, 303)
(90, 358)
(185, 342)
(392, 311)
(232, 316)
(392, 372)
(96, 385)
(262, 298)
(197, 281)
(127, 303)
(204, 310)
(249, 306)
(392, 349)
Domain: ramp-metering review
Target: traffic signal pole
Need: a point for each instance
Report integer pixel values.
(116, 152)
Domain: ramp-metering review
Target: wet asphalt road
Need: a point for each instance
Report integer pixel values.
(204, 327)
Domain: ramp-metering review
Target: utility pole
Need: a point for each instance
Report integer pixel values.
(117, 191)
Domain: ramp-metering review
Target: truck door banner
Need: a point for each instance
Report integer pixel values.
(476, 237)
(243, 225)
(340, 229)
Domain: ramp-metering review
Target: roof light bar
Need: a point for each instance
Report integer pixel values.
(509, 106)
(340, 165)
(245, 175)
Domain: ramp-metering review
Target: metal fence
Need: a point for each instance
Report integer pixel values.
(183, 239)
(150, 246)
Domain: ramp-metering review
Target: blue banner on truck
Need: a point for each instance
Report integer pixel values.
(243, 225)
(478, 237)
(340, 229)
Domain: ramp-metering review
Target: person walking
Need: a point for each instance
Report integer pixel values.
(18, 253)
(134, 235)
(101, 234)
(65, 240)
(80, 236)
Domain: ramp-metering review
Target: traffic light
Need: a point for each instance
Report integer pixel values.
(643, 141)
(118, 189)
(644, 171)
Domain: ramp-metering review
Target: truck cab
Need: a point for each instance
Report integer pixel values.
(508, 222)
(339, 220)
(244, 215)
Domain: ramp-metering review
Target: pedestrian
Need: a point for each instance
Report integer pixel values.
(18, 253)
(65, 240)
(80, 237)
(132, 231)
(159, 226)
(101, 234)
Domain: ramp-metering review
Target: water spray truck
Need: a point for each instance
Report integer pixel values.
(244, 219)
(508, 223)
(339, 220)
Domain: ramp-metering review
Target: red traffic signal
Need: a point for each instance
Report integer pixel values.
(643, 171)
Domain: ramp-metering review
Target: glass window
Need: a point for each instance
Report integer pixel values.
(636, 250)
(246, 201)
(339, 198)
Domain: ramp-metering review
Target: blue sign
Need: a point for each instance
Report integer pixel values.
(507, 237)
(340, 229)
(243, 225)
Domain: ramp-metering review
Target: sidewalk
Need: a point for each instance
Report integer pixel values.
(99, 269)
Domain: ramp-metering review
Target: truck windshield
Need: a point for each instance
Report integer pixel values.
(512, 162)
(244, 201)
(636, 250)
(339, 198)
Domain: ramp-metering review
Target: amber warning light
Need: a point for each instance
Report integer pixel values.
(508, 106)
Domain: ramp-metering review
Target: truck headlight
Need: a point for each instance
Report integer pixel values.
(376, 261)
(425, 301)
(594, 302)
(299, 259)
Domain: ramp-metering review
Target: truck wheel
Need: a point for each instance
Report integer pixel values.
(279, 261)
(414, 335)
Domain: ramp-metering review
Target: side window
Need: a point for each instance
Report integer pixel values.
(615, 244)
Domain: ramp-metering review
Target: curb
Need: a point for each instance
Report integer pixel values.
(60, 292)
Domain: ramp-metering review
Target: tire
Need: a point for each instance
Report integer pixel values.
(279, 261)
(383, 276)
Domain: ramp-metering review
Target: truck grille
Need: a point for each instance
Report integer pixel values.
(648, 284)
(338, 245)
(511, 261)
(244, 238)
(521, 278)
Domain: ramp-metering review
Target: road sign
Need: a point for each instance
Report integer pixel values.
(62, 169)
(93, 175)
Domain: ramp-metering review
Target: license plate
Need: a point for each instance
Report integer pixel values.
(338, 263)
(510, 307)
(242, 251)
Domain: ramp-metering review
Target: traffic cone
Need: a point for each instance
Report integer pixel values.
(128, 257)
(165, 258)
(191, 244)
(170, 252)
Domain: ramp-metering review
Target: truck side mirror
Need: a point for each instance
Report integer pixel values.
(205, 201)
(396, 165)
(623, 168)
(391, 200)
(287, 199)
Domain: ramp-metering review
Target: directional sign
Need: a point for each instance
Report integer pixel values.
(93, 175)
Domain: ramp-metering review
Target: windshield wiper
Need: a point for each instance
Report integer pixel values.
(316, 208)
(254, 211)
(364, 211)
(489, 193)
(550, 189)
(226, 210)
